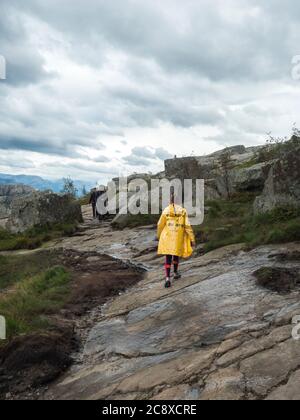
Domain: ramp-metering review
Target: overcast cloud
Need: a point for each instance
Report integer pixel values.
(99, 88)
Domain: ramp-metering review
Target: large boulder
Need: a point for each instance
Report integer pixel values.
(7, 194)
(26, 208)
(282, 187)
(225, 172)
(204, 166)
(250, 178)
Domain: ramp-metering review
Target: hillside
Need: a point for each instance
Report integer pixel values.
(92, 305)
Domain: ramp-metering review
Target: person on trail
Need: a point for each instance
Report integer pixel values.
(93, 201)
(100, 191)
(176, 238)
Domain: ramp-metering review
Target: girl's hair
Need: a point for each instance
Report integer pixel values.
(172, 195)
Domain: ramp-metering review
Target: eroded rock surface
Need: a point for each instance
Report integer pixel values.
(226, 171)
(282, 187)
(7, 194)
(215, 335)
(22, 208)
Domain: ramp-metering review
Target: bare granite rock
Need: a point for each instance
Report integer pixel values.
(216, 334)
(22, 208)
(7, 194)
(282, 187)
(223, 171)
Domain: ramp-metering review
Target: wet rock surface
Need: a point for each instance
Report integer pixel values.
(216, 334)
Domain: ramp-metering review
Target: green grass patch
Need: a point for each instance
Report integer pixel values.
(35, 237)
(16, 268)
(248, 164)
(27, 306)
(230, 222)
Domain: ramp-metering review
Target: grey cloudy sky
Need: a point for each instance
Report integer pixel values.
(97, 88)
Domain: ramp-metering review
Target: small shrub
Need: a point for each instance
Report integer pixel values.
(277, 279)
(84, 201)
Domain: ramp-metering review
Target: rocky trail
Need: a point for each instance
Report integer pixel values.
(217, 334)
(30, 362)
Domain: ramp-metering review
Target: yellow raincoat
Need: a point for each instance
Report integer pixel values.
(175, 233)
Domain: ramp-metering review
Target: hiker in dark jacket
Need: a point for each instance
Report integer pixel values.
(100, 191)
(93, 201)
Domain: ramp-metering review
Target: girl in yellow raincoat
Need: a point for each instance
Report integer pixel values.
(176, 238)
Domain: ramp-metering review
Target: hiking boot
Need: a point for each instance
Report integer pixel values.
(168, 283)
(177, 276)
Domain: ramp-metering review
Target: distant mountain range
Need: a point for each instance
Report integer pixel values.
(42, 184)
